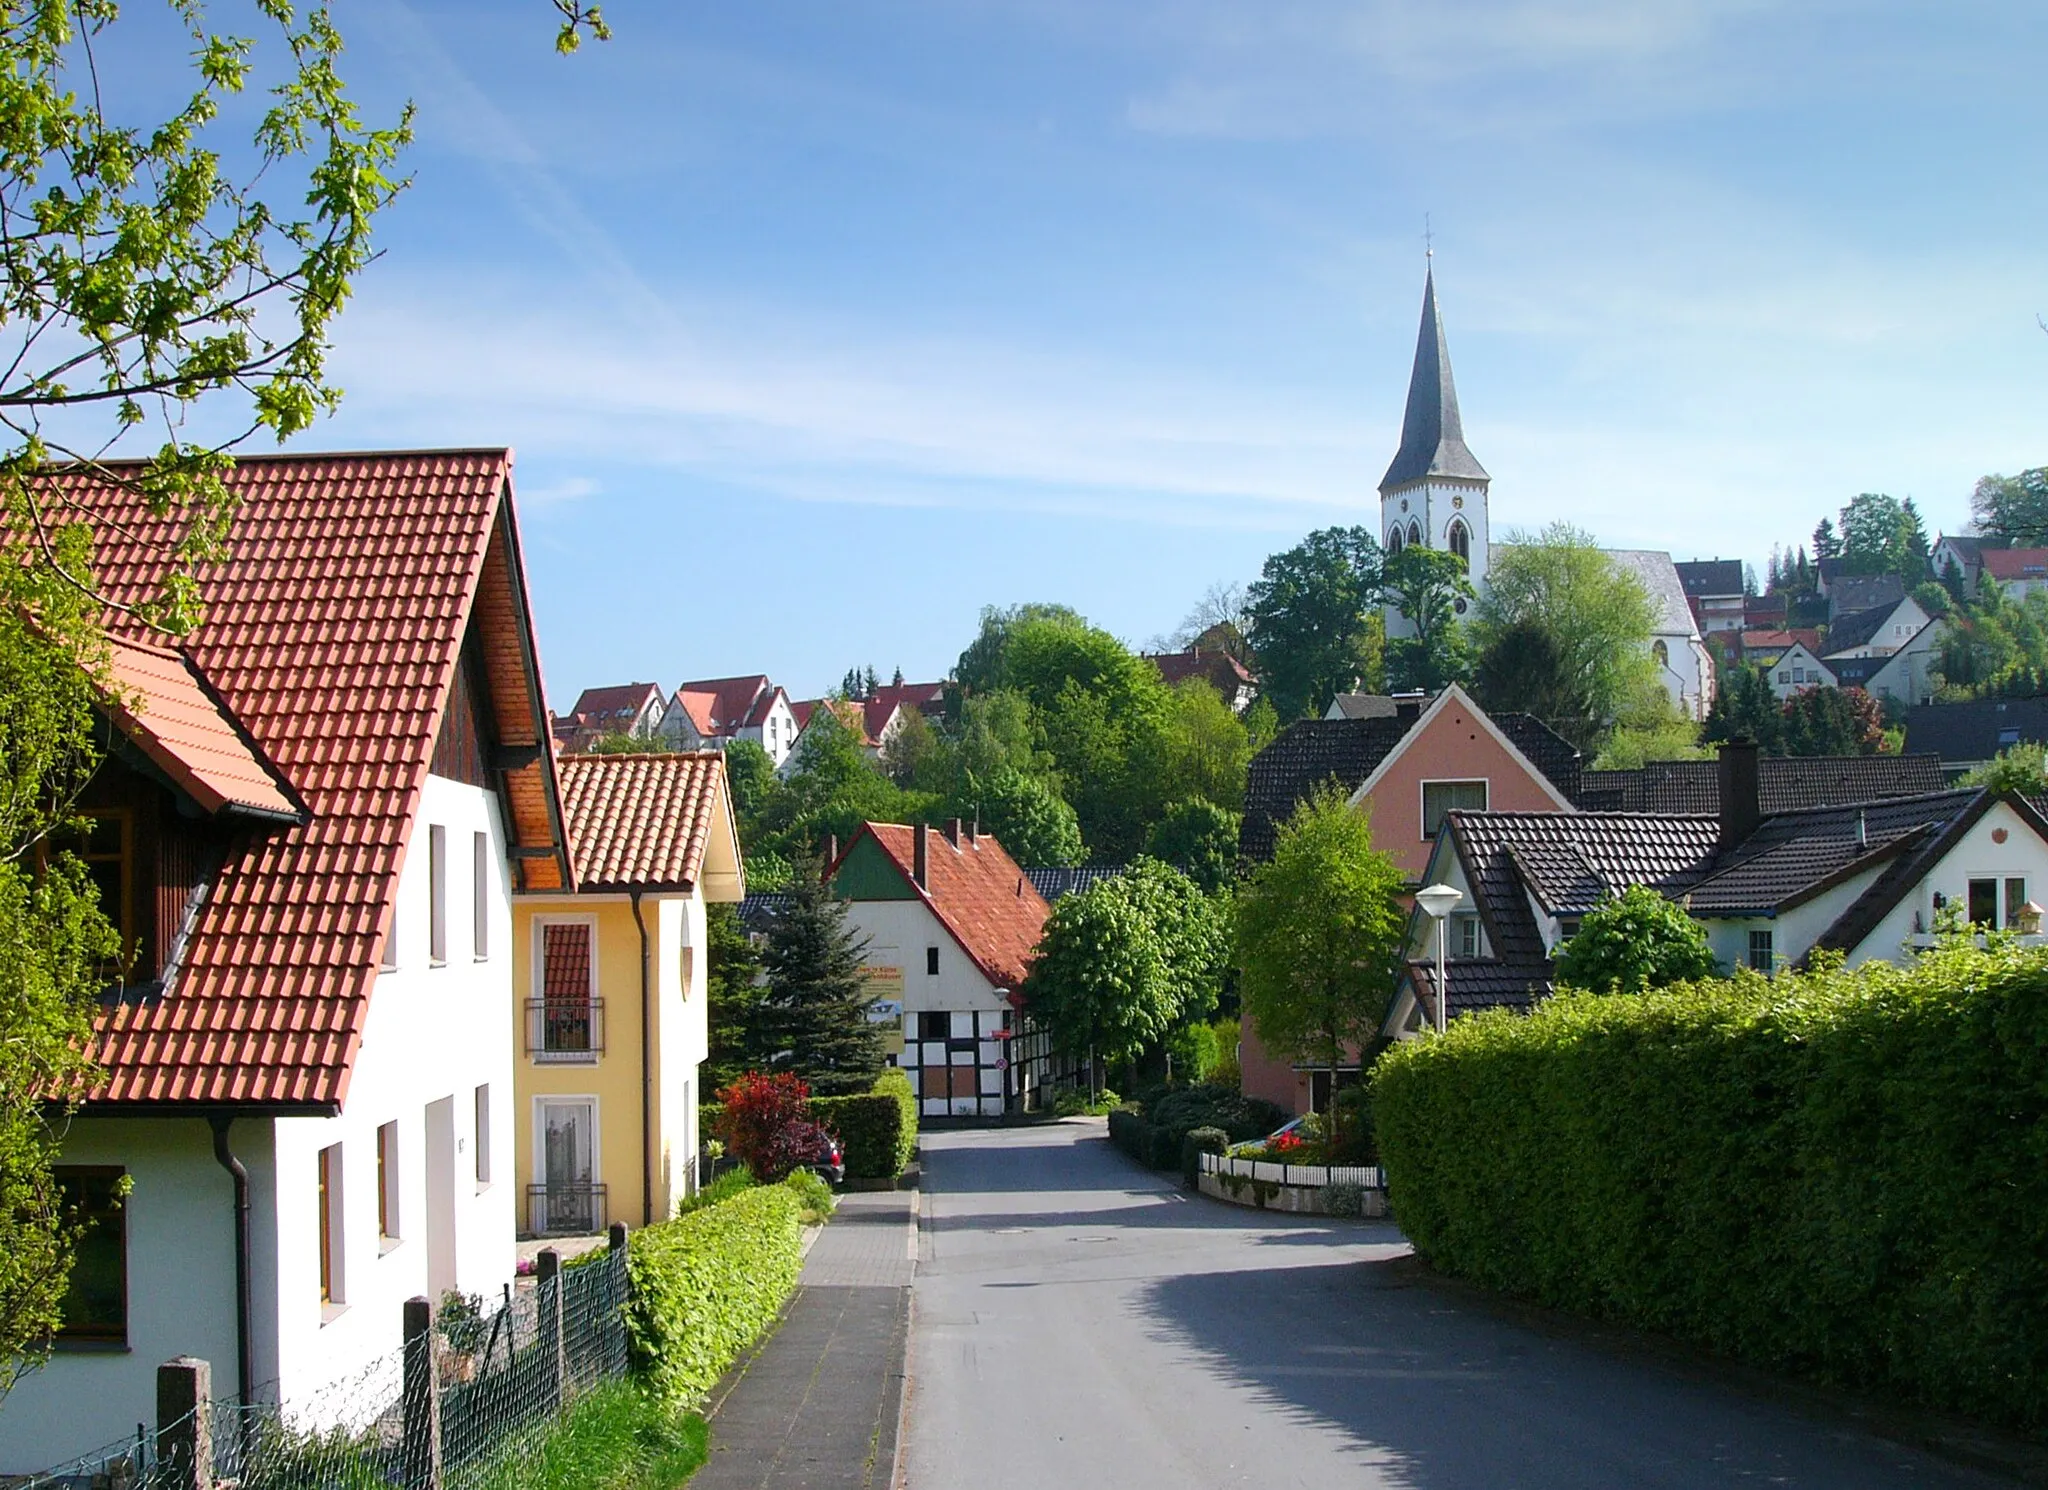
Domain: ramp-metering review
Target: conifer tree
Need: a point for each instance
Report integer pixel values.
(813, 1017)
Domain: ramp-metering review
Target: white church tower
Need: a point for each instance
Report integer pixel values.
(1435, 492)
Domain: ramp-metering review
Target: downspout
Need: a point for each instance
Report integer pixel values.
(646, 1070)
(243, 1348)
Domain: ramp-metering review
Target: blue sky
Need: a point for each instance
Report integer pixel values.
(818, 326)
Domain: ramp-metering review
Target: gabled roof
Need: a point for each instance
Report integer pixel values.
(976, 890)
(646, 822)
(1347, 752)
(927, 698)
(875, 716)
(1964, 733)
(1793, 856)
(1785, 783)
(1362, 706)
(1659, 576)
(716, 707)
(616, 706)
(1432, 435)
(163, 705)
(1969, 547)
(1220, 670)
(1712, 579)
(1052, 883)
(2008, 565)
(1857, 628)
(1850, 593)
(332, 633)
(1781, 640)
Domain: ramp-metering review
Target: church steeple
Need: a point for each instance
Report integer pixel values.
(1432, 438)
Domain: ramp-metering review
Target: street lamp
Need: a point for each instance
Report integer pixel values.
(1438, 901)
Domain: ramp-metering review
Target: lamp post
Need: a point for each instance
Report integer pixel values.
(1438, 901)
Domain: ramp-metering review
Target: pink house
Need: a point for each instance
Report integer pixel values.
(1407, 768)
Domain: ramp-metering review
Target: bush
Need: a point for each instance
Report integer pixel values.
(1835, 1172)
(705, 1285)
(1200, 1141)
(813, 1194)
(1072, 1102)
(722, 1189)
(878, 1130)
(1344, 1198)
(767, 1124)
(1154, 1137)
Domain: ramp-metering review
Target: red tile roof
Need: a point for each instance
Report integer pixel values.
(332, 633)
(620, 704)
(1220, 670)
(764, 705)
(978, 893)
(641, 821)
(718, 706)
(2009, 564)
(161, 703)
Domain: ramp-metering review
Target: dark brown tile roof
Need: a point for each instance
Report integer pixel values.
(1965, 733)
(1793, 856)
(977, 891)
(641, 821)
(332, 633)
(1785, 783)
(1711, 578)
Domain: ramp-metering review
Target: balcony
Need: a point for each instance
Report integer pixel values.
(564, 1031)
(566, 1210)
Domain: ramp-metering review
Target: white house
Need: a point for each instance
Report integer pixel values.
(321, 803)
(1905, 674)
(1797, 669)
(709, 712)
(951, 923)
(1876, 632)
(2019, 572)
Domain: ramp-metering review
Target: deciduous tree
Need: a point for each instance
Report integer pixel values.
(2013, 510)
(1314, 620)
(1635, 941)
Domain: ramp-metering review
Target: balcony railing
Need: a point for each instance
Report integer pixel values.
(565, 1210)
(564, 1029)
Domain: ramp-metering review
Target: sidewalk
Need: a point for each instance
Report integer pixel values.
(815, 1407)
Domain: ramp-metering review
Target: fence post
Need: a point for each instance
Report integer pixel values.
(554, 1369)
(184, 1423)
(617, 1236)
(422, 1450)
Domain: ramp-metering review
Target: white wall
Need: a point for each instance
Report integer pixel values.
(900, 932)
(1980, 855)
(683, 1035)
(181, 1287)
(432, 1032)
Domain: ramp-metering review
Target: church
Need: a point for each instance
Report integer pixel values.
(1436, 494)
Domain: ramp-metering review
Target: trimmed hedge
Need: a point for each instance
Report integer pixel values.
(1844, 1173)
(1154, 1136)
(1200, 1141)
(877, 1129)
(705, 1285)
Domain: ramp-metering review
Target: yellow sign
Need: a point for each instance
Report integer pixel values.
(884, 982)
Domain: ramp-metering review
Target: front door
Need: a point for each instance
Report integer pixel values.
(568, 1147)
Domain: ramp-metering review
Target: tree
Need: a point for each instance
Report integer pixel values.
(1219, 622)
(733, 991)
(1596, 615)
(1832, 721)
(1320, 932)
(766, 1122)
(1745, 708)
(1521, 671)
(2012, 511)
(1031, 820)
(1314, 624)
(750, 774)
(2021, 768)
(913, 754)
(1649, 727)
(1826, 545)
(1204, 747)
(1124, 962)
(1635, 941)
(984, 666)
(1199, 839)
(1881, 535)
(813, 1016)
(1427, 585)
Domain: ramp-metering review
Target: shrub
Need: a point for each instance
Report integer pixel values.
(705, 1285)
(1200, 1141)
(1154, 1137)
(878, 1130)
(1072, 1102)
(1344, 1198)
(813, 1193)
(720, 1190)
(768, 1125)
(1836, 1172)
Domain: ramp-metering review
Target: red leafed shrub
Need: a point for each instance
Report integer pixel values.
(767, 1125)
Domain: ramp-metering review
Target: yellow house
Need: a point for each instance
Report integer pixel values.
(609, 991)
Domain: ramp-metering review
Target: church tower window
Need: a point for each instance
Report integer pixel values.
(1459, 540)
(1414, 531)
(1395, 542)
(1661, 652)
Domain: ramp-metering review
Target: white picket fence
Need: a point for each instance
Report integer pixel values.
(1313, 1176)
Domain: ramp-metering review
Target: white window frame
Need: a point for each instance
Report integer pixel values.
(540, 1132)
(1485, 783)
(437, 895)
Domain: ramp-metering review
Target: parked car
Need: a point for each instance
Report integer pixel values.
(1249, 1144)
(830, 1159)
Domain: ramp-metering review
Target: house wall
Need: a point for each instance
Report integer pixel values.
(900, 935)
(434, 1034)
(1431, 507)
(181, 1287)
(1981, 853)
(682, 1036)
(1793, 932)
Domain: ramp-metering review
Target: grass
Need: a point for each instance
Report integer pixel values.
(615, 1437)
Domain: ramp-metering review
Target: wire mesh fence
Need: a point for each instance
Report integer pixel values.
(477, 1380)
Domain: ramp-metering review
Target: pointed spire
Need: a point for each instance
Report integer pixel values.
(1432, 438)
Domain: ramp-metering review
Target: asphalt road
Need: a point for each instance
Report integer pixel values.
(1078, 1322)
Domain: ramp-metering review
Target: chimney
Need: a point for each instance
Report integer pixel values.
(1741, 800)
(953, 831)
(921, 860)
(1408, 705)
(974, 830)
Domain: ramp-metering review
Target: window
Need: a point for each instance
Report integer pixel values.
(1784, 677)
(2008, 737)
(1661, 653)
(933, 1025)
(105, 844)
(437, 883)
(2015, 901)
(1459, 540)
(1761, 951)
(1440, 797)
(1414, 532)
(1464, 937)
(931, 961)
(387, 1182)
(1984, 903)
(480, 894)
(95, 1307)
(1395, 542)
(566, 1023)
(483, 1135)
(331, 1276)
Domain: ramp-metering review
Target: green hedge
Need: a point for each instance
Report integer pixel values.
(1840, 1173)
(705, 1285)
(1153, 1137)
(878, 1129)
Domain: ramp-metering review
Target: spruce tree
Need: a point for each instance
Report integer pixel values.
(813, 1017)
